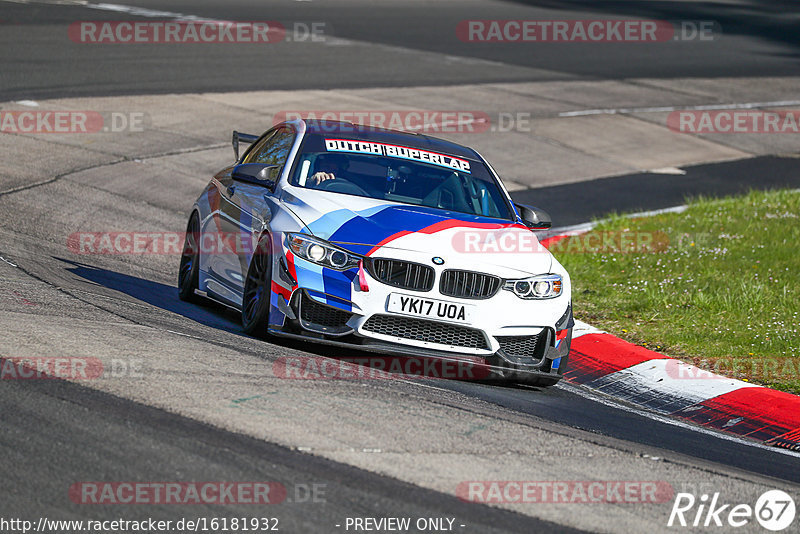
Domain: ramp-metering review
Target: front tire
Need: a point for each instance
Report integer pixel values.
(189, 271)
(258, 290)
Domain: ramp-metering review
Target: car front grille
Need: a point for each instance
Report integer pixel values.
(468, 284)
(524, 347)
(404, 274)
(427, 331)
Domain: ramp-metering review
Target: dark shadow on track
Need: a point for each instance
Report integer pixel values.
(554, 404)
(768, 20)
(156, 294)
(214, 315)
(115, 439)
(581, 202)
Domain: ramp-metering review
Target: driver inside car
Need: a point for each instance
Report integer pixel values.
(328, 167)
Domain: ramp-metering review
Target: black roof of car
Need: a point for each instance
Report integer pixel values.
(391, 137)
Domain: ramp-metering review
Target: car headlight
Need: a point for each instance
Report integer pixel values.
(321, 252)
(546, 286)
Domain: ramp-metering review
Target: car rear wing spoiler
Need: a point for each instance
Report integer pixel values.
(246, 138)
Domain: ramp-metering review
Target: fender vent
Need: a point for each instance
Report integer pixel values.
(323, 319)
(524, 347)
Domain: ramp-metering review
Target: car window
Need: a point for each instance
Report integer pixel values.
(273, 149)
(400, 174)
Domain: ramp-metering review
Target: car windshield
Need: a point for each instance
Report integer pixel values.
(400, 174)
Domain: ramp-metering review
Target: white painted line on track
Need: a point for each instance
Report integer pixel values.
(673, 209)
(118, 8)
(668, 170)
(664, 109)
(8, 262)
(581, 228)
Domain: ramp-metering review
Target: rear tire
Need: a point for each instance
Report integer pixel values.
(258, 290)
(189, 271)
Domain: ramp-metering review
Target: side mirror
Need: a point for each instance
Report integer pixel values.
(256, 173)
(534, 218)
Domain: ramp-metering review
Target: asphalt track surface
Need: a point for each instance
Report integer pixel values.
(56, 433)
(120, 440)
(761, 38)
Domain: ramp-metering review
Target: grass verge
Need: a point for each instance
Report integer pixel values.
(717, 285)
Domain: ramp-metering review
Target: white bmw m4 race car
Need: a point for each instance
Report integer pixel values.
(384, 241)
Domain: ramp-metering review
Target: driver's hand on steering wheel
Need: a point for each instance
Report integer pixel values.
(317, 178)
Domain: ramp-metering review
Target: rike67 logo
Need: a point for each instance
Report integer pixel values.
(774, 510)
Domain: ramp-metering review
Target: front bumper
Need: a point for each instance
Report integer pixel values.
(352, 308)
(541, 354)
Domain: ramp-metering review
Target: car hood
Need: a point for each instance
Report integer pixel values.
(382, 229)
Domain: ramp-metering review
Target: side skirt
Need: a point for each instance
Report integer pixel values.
(219, 300)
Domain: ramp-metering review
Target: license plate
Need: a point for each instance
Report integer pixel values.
(430, 308)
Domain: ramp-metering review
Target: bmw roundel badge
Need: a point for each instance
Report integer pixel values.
(437, 260)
